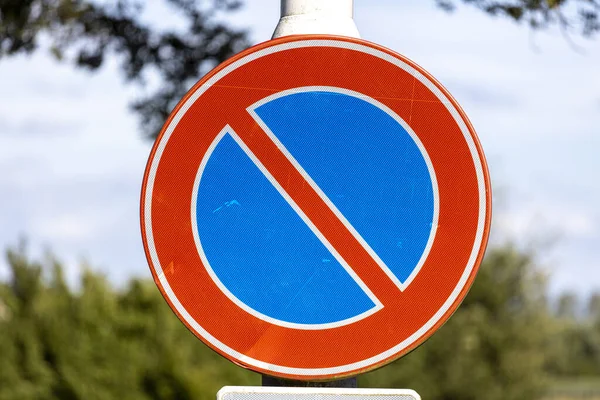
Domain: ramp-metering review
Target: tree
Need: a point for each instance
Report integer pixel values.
(575, 350)
(98, 342)
(593, 308)
(578, 15)
(86, 31)
(567, 306)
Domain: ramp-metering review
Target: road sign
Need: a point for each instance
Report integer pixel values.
(315, 207)
(313, 393)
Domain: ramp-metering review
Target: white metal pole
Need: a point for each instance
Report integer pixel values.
(333, 17)
(303, 17)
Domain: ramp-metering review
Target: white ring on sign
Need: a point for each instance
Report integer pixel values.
(347, 368)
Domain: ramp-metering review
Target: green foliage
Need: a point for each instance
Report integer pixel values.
(579, 15)
(98, 342)
(575, 351)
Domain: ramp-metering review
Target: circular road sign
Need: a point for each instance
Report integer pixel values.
(315, 207)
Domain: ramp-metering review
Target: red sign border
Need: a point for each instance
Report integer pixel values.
(301, 373)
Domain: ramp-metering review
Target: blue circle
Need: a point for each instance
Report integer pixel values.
(368, 166)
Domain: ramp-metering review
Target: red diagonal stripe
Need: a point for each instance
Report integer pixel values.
(309, 201)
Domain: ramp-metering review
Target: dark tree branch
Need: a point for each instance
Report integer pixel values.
(580, 16)
(91, 31)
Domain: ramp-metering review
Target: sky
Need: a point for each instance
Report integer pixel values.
(73, 157)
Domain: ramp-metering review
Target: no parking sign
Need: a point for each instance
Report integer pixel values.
(315, 207)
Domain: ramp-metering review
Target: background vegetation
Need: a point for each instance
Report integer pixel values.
(96, 341)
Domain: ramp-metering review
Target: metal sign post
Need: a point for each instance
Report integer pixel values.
(305, 17)
(272, 381)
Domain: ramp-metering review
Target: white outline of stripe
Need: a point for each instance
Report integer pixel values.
(229, 130)
(340, 369)
(436, 199)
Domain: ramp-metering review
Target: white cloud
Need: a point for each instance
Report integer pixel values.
(541, 219)
(64, 227)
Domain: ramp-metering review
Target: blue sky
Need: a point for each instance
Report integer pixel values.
(73, 157)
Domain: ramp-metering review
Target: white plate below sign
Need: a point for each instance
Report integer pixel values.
(313, 393)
